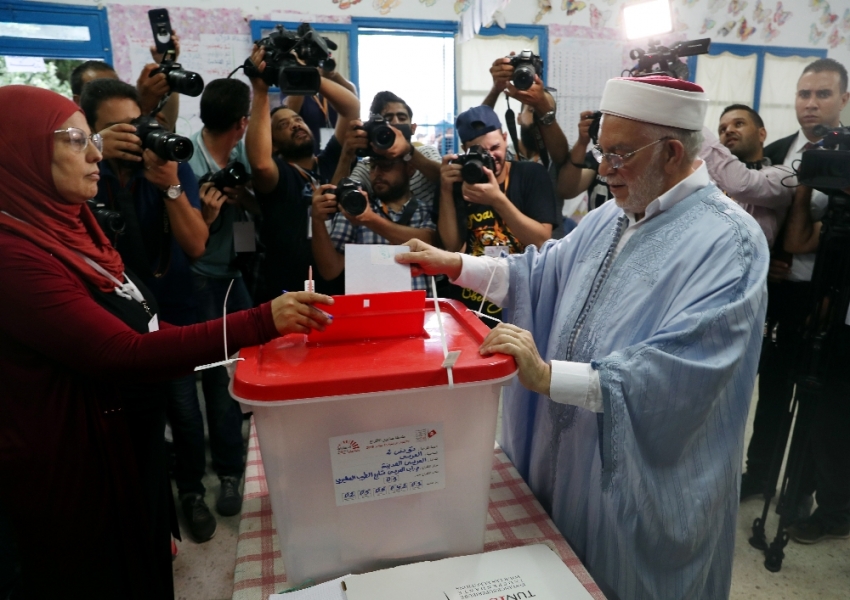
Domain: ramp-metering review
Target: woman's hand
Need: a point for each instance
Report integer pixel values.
(534, 373)
(425, 259)
(293, 313)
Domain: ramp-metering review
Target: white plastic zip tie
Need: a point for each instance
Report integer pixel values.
(226, 361)
(480, 311)
(449, 358)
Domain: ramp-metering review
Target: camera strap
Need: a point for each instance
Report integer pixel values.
(406, 214)
(510, 120)
(323, 106)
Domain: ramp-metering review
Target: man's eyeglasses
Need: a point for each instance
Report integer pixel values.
(616, 161)
(80, 141)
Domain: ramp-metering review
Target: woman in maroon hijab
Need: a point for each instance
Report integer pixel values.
(79, 343)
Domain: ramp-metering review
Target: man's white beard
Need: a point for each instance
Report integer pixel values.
(645, 188)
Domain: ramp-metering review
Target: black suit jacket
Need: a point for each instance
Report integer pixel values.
(778, 150)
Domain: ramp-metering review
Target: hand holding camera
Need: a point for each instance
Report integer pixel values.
(450, 173)
(385, 139)
(502, 71)
(121, 142)
(324, 203)
(212, 200)
(486, 193)
(164, 144)
(356, 142)
(473, 163)
(352, 201)
(160, 172)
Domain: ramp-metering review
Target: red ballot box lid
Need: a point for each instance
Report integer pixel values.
(376, 343)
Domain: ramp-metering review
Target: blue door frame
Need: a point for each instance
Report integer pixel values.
(95, 19)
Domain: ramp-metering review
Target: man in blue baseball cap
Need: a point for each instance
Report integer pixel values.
(512, 205)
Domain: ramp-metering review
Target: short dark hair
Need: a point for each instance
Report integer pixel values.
(829, 64)
(98, 91)
(755, 116)
(90, 65)
(223, 103)
(383, 98)
(281, 107)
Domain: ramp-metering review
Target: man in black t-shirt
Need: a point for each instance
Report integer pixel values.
(285, 171)
(514, 209)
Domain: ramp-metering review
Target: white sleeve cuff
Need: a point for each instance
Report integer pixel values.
(577, 384)
(476, 272)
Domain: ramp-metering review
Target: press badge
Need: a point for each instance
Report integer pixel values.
(244, 239)
(495, 251)
(325, 135)
(153, 324)
(310, 222)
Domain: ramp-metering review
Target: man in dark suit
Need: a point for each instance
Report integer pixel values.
(821, 96)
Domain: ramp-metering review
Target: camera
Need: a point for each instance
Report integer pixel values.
(473, 163)
(179, 79)
(593, 130)
(163, 143)
(111, 222)
(381, 134)
(827, 168)
(526, 65)
(666, 58)
(231, 176)
(283, 69)
(349, 196)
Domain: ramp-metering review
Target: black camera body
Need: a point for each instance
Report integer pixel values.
(666, 58)
(111, 222)
(231, 176)
(827, 168)
(163, 143)
(526, 65)
(381, 134)
(593, 130)
(179, 79)
(472, 165)
(350, 197)
(282, 67)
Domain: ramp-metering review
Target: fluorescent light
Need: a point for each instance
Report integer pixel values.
(647, 18)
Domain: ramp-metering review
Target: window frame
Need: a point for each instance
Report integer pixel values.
(760, 52)
(95, 19)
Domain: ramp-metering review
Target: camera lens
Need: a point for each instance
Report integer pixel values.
(179, 149)
(472, 172)
(523, 77)
(353, 202)
(383, 137)
(186, 82)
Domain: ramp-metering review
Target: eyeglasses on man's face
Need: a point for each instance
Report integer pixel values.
(79, 140)
(616, 161)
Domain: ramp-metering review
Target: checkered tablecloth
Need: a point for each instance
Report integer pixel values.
(515, 518)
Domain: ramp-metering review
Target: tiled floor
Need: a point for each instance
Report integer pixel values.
(817, 572)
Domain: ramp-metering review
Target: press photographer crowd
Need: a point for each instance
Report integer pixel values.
(705, 259)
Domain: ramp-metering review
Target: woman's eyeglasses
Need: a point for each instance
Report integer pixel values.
(616, 161)
(80, 141)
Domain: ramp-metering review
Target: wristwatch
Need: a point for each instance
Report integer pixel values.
(172, 192)
(547, 119)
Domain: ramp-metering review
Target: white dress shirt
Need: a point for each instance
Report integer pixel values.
(574, 383)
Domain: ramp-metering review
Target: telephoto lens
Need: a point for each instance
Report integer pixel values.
(163, 143)
(350, 197)
(179, 79)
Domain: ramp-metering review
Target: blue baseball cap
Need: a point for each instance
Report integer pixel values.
(476, 122)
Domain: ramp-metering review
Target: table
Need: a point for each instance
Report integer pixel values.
(515, 518)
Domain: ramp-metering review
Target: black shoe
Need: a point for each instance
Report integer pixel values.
(814, 530)
(229, 500)
(199, 519)
(752, 486)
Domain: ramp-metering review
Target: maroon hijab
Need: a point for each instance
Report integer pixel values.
(28, 194)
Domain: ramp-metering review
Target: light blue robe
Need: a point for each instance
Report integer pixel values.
(647, 492)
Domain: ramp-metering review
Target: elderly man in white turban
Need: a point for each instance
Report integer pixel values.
(637, 338)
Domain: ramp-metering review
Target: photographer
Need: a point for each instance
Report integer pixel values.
(225, 105)
(539, 131)
(164, 232)
(285, 172)
(829, 443)
(151, 90)
(316, 111)
(513, 209)
(394, 216)
(425, 159)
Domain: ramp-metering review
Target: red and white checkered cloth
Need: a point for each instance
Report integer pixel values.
(515, 518)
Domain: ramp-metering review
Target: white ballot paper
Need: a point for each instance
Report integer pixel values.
(517, 573)
(371, 268)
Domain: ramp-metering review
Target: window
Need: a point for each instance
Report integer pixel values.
(40, 44)
(759, 76)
